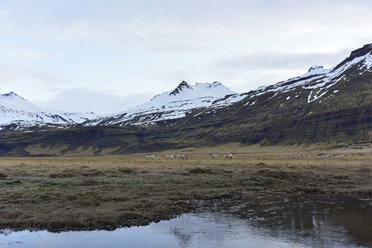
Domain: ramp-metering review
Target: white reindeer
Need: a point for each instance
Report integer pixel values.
(228, 156)
(169, 157)
(152, 156)
(340, 156)
(182, 156)
(214, 155)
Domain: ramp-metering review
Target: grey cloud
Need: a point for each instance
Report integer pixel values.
(279, 61)
(88, 100)
(13, 73)
(184, 48)
(78, 19)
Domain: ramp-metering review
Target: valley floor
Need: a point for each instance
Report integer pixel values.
(106, 192)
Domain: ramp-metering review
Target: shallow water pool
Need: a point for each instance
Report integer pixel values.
(278, 222)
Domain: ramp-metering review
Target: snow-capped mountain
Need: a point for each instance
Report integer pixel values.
(317, 83)
(331, 106)
(18, 113)
(169, 105)
(15, 102)
(316, 92)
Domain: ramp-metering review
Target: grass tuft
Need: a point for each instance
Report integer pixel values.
(3, 175)
(200, 171)
(126, 170)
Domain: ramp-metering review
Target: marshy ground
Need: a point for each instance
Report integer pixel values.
(106, 192)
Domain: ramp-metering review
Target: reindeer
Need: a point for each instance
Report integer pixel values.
(340, 156)
(149, 157)
(229, 155)
(214, 155)
(169, 157)
(152, 156)
(182, 156)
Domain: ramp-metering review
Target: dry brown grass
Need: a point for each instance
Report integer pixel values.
(61, 193)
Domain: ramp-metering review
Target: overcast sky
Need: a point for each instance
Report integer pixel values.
(106, 56)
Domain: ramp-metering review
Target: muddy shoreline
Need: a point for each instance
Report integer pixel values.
(59, 194)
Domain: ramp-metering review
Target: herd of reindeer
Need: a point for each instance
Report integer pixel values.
(185, 157)
(230, 156)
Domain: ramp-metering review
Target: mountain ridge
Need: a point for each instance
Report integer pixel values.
(18, 113)
(168, 105)
(332, 106)
(27, 115)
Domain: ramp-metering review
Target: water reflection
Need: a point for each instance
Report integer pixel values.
(263, 222)
(319, 218)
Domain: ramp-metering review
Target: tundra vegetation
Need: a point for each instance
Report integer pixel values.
(106, 192)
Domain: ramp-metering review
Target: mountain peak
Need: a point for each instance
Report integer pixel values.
(365, 50)
(316, 68)
(361, 51)
(14, 101)
(183, 85)
(10, 94)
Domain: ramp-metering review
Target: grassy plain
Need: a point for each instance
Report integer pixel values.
(106, 192)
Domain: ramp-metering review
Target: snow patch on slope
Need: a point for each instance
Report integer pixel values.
(315, 70)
